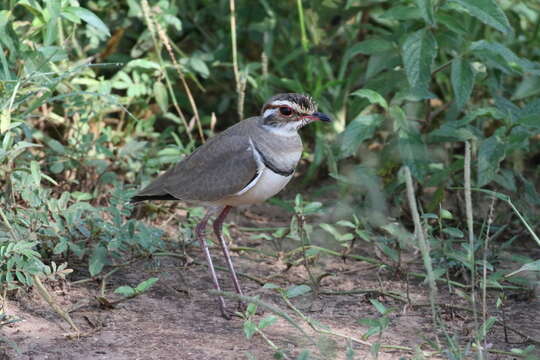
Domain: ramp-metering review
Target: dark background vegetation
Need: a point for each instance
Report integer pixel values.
(97, 97)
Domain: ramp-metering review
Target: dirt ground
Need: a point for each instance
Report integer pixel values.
(178, 319)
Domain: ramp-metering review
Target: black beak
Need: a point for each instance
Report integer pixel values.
(321, 116)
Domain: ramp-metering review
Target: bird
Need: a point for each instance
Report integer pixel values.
(245, 164)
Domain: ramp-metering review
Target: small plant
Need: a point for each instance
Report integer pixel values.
(129, 292)
(252, 327)
(376, 326)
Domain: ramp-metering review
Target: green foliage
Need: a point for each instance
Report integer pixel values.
(89, 111)
(128, 291)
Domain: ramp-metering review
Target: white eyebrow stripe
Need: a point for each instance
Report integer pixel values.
(292, 105)
(268, 112)
(282, 103)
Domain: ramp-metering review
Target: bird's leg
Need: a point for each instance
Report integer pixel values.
(199, 234)
(218, 225)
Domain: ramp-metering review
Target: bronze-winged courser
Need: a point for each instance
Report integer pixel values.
(247, 163)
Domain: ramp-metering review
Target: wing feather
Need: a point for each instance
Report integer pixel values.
(221, 167)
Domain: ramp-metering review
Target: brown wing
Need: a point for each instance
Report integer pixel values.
(223, 166)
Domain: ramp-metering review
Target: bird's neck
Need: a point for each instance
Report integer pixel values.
(280, 127)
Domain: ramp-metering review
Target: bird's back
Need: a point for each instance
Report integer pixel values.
(224, 165)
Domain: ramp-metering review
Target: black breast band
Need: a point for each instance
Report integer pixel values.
(271, 166)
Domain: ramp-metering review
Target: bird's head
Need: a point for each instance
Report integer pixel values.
(289, 112)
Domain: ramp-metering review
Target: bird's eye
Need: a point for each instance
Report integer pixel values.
(284, 110)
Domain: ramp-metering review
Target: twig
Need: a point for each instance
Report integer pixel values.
(375, 292)
(240, 83)
(270, 342)
(303, 236)
(150, 23)
(319, 330)
(484, 272)
(258, 302)
(423, 245)
(163, 36)
(48, 298)
(500, 322)
(470, 228)
(106, 275)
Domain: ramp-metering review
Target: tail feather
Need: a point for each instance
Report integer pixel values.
(139, 198)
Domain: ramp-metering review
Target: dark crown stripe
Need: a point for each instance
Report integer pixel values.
(272, 167)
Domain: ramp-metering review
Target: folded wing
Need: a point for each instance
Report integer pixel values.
(221, 167)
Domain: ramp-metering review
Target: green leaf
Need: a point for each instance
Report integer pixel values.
(143, 63)
(412, 148)
(145, 285)
(529, 86)
(271, 286)
(90, 18)
(418, 52)
(454, 232)
(161, 95)
(361, 128)
(331, 230)
(488, 12)
(267, 321)
(484, 329)
(249, 328)
(297, 290)
(445, 214)
(377, 304)
(126, 291)
(81, 196)
(426, 9)
(56, 146)
(462, 81)
(373, 97)
(373, 45)
(346, 223)
(5, 120)
(35, 172)
(251, 309)
(529, 116)
(199, 66)
(311, 207)
(402, 12)
(502, 57)
(490, 154)
(532, 266)
(60, 247)
(97, 260)
(450, 132)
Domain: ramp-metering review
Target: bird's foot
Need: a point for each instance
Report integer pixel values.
(228, 314)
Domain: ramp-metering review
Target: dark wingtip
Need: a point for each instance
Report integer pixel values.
(139, 198)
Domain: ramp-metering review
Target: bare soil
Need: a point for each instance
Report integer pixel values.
(178, 319)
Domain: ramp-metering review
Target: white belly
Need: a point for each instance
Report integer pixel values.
(265, 186)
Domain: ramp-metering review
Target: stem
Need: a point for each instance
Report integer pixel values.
(258, 302)
(484, 273)
(470, 227)
(533, 234)
(319, 330)
(149, 22)
(303, 236)
(239, 86)
(48, 298)
(302, 25)
(423, 245)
